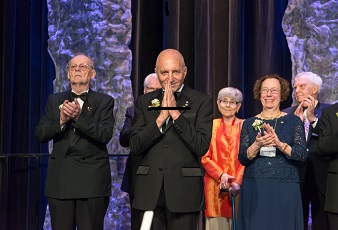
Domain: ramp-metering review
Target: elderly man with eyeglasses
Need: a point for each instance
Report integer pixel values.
(313, 172)
(80, 122)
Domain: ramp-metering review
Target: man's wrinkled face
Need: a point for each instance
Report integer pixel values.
(303, 88)
(170, 69)
(80, 70)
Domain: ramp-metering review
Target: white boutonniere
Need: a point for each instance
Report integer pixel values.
(60, 107)
(154, 103)
(337, 114)
(257, 125)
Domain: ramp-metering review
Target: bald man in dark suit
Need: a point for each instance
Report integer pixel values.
(169, 180)
(150, 84)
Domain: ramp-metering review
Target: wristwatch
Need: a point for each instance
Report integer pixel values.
(314, 121)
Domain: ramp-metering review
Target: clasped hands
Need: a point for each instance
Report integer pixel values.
(269, 138)
(69, 110)
(234, 187)
(310, 104)
(168, 101)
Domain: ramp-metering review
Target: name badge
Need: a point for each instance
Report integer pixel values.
(268, 151)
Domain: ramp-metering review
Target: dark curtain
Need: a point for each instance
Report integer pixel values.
(27, 77)
(225, 43)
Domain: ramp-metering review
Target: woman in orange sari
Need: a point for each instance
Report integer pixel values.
(221, 164)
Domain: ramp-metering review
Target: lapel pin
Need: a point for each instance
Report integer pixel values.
(89, 108)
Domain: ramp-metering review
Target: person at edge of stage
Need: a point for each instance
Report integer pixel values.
(328, 147)
(313, 172)
(80, 122)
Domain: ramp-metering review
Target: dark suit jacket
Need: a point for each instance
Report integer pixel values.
(133, 161)
(172, 158)
(320, 164)
(328, 146)
(79, 169)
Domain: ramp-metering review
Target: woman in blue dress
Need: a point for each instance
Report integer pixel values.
(272, 144)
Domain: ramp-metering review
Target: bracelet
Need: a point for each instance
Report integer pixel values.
(285, 146)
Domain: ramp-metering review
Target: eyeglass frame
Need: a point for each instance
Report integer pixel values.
(230, 103)
(272, 91)
(82, 67)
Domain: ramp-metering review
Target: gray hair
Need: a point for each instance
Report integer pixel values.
(146, 80)
(313, 78)
(230, 92)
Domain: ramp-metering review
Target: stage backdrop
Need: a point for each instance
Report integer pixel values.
(225, 43)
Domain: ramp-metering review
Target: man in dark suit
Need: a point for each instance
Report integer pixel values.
(150, 84)
(313, 171)
(171, 141)
(328, 147)
(80, 123)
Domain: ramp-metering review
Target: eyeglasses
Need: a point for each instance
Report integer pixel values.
(81, 67)
(272, 91)
(231, 103)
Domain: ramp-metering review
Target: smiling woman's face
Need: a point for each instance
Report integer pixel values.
(270, 93)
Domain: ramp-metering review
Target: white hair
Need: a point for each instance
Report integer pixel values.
(313, 78)
(230, 92)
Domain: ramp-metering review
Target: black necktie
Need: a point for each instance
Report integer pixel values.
(177, 95)
(83, 96)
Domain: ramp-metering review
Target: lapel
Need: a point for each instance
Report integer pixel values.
(89, 105)
(156, 95)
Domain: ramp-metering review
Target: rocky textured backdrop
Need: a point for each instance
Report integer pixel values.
(100, 29)
(311, 29)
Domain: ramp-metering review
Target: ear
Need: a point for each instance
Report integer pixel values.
(185, 71)
(93, 74)
(315, 89)
(239, 106)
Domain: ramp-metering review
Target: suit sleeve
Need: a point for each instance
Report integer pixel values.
(49, 125)
(143, 135)
(127, 128)
(328, 137)
(197, 137)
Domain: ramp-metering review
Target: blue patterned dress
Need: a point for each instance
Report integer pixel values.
(270, 196)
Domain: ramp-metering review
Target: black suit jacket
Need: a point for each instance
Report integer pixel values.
(172, 158)
(320, 164)
(78, 169)
(328, 146)
(133, 161)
